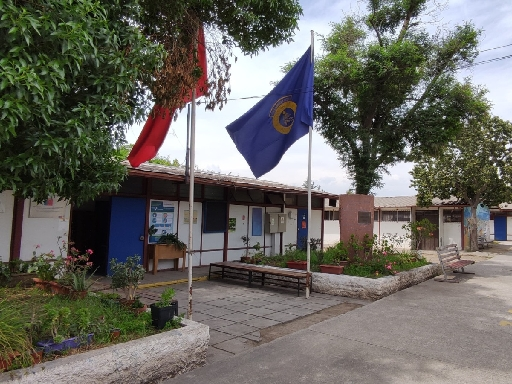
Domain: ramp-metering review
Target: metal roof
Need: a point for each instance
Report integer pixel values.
(208, 177)
(410, 201)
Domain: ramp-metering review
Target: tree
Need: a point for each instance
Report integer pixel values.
(475, 167)
(313, 185)
(75, 74)
(385, 90)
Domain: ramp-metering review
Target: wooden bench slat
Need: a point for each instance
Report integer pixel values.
(449, 258)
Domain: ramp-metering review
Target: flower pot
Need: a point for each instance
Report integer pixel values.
(50, 346)
(41, 284)
(161, 315)
(303, 265)
(23, 279)
(37, 356)
(332, 269)
(58, 289)
(139, 310)
(114, 334)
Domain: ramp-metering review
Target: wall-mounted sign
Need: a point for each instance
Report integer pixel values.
(186, 217)
(161, 217)
(51, 208)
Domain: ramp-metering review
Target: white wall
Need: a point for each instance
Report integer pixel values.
(43, 232)
(331, 232)
(290, 236)
(390, 228)
(268, 236)
(452, 231)
(241, 214)
(509, 228)
(6, 216)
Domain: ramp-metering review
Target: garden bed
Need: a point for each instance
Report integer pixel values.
(146, 360)
(372, 289)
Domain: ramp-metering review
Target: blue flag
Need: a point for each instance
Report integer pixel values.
(264, 133)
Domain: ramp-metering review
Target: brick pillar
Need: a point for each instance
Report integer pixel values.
(356, 217)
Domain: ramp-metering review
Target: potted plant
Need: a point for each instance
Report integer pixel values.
(164, 310)
(75, 275)
(295, 259)
(334, 259)
(169, 247)
(127, 275)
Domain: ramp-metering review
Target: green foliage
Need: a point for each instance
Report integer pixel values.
(13, 337)
(127, 275)
(419, 230)
(172, 239)
(474, 167)
(335, 254)
(166, 298)
(384, 265)
(69, 87)
(75, 74)
(386, 91)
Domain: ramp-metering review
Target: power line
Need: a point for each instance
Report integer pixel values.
(491, 49)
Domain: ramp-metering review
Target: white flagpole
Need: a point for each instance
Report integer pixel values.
(190, 246)
(308, 247)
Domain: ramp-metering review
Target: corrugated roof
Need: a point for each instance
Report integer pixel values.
(205, 177)
(394, 202)
(410, 201)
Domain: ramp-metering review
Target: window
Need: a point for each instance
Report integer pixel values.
(240, 195)
(375, 215)
(184, 189)
(388, 216)
(404, 215)
(364, 217)
(394, 215)
(454, 216)
(257, 195)
(163, 187)
(213, 192)
(133, 185)
(331, 215)
(215, 217)
(275, 199)
(290, 199)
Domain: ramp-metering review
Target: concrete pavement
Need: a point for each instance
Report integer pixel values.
(430, 333)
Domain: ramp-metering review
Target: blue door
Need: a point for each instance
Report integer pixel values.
(302, 228)
(127, 221)
(500, 228)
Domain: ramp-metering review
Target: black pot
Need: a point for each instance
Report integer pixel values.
(161, 315)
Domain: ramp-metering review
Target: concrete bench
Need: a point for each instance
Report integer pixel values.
(450, 260)
(263, 274)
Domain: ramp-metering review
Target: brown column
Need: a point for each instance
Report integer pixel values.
(17, 228)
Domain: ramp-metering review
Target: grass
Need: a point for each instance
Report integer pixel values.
(43, 315)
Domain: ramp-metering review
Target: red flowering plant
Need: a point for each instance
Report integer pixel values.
(77, 268)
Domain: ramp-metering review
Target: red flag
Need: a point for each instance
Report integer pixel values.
(157, 125)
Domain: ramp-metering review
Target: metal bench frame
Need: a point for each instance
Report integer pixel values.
(450, 260)
(260, 273)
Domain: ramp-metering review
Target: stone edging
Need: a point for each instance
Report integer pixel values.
(372, 289)
(146, 360)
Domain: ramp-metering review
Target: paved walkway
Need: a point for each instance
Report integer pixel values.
(236, 313)
(430, 333)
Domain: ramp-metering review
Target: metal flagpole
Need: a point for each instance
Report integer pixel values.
(190, 246)
(308, 247)
(191, 195)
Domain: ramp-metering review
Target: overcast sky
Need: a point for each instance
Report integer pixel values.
(252, 77)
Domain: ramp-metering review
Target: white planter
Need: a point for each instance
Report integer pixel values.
(149, 359)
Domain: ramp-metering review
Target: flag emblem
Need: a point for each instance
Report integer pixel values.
(283, 114)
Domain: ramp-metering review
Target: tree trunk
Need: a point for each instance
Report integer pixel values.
(473, 230)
